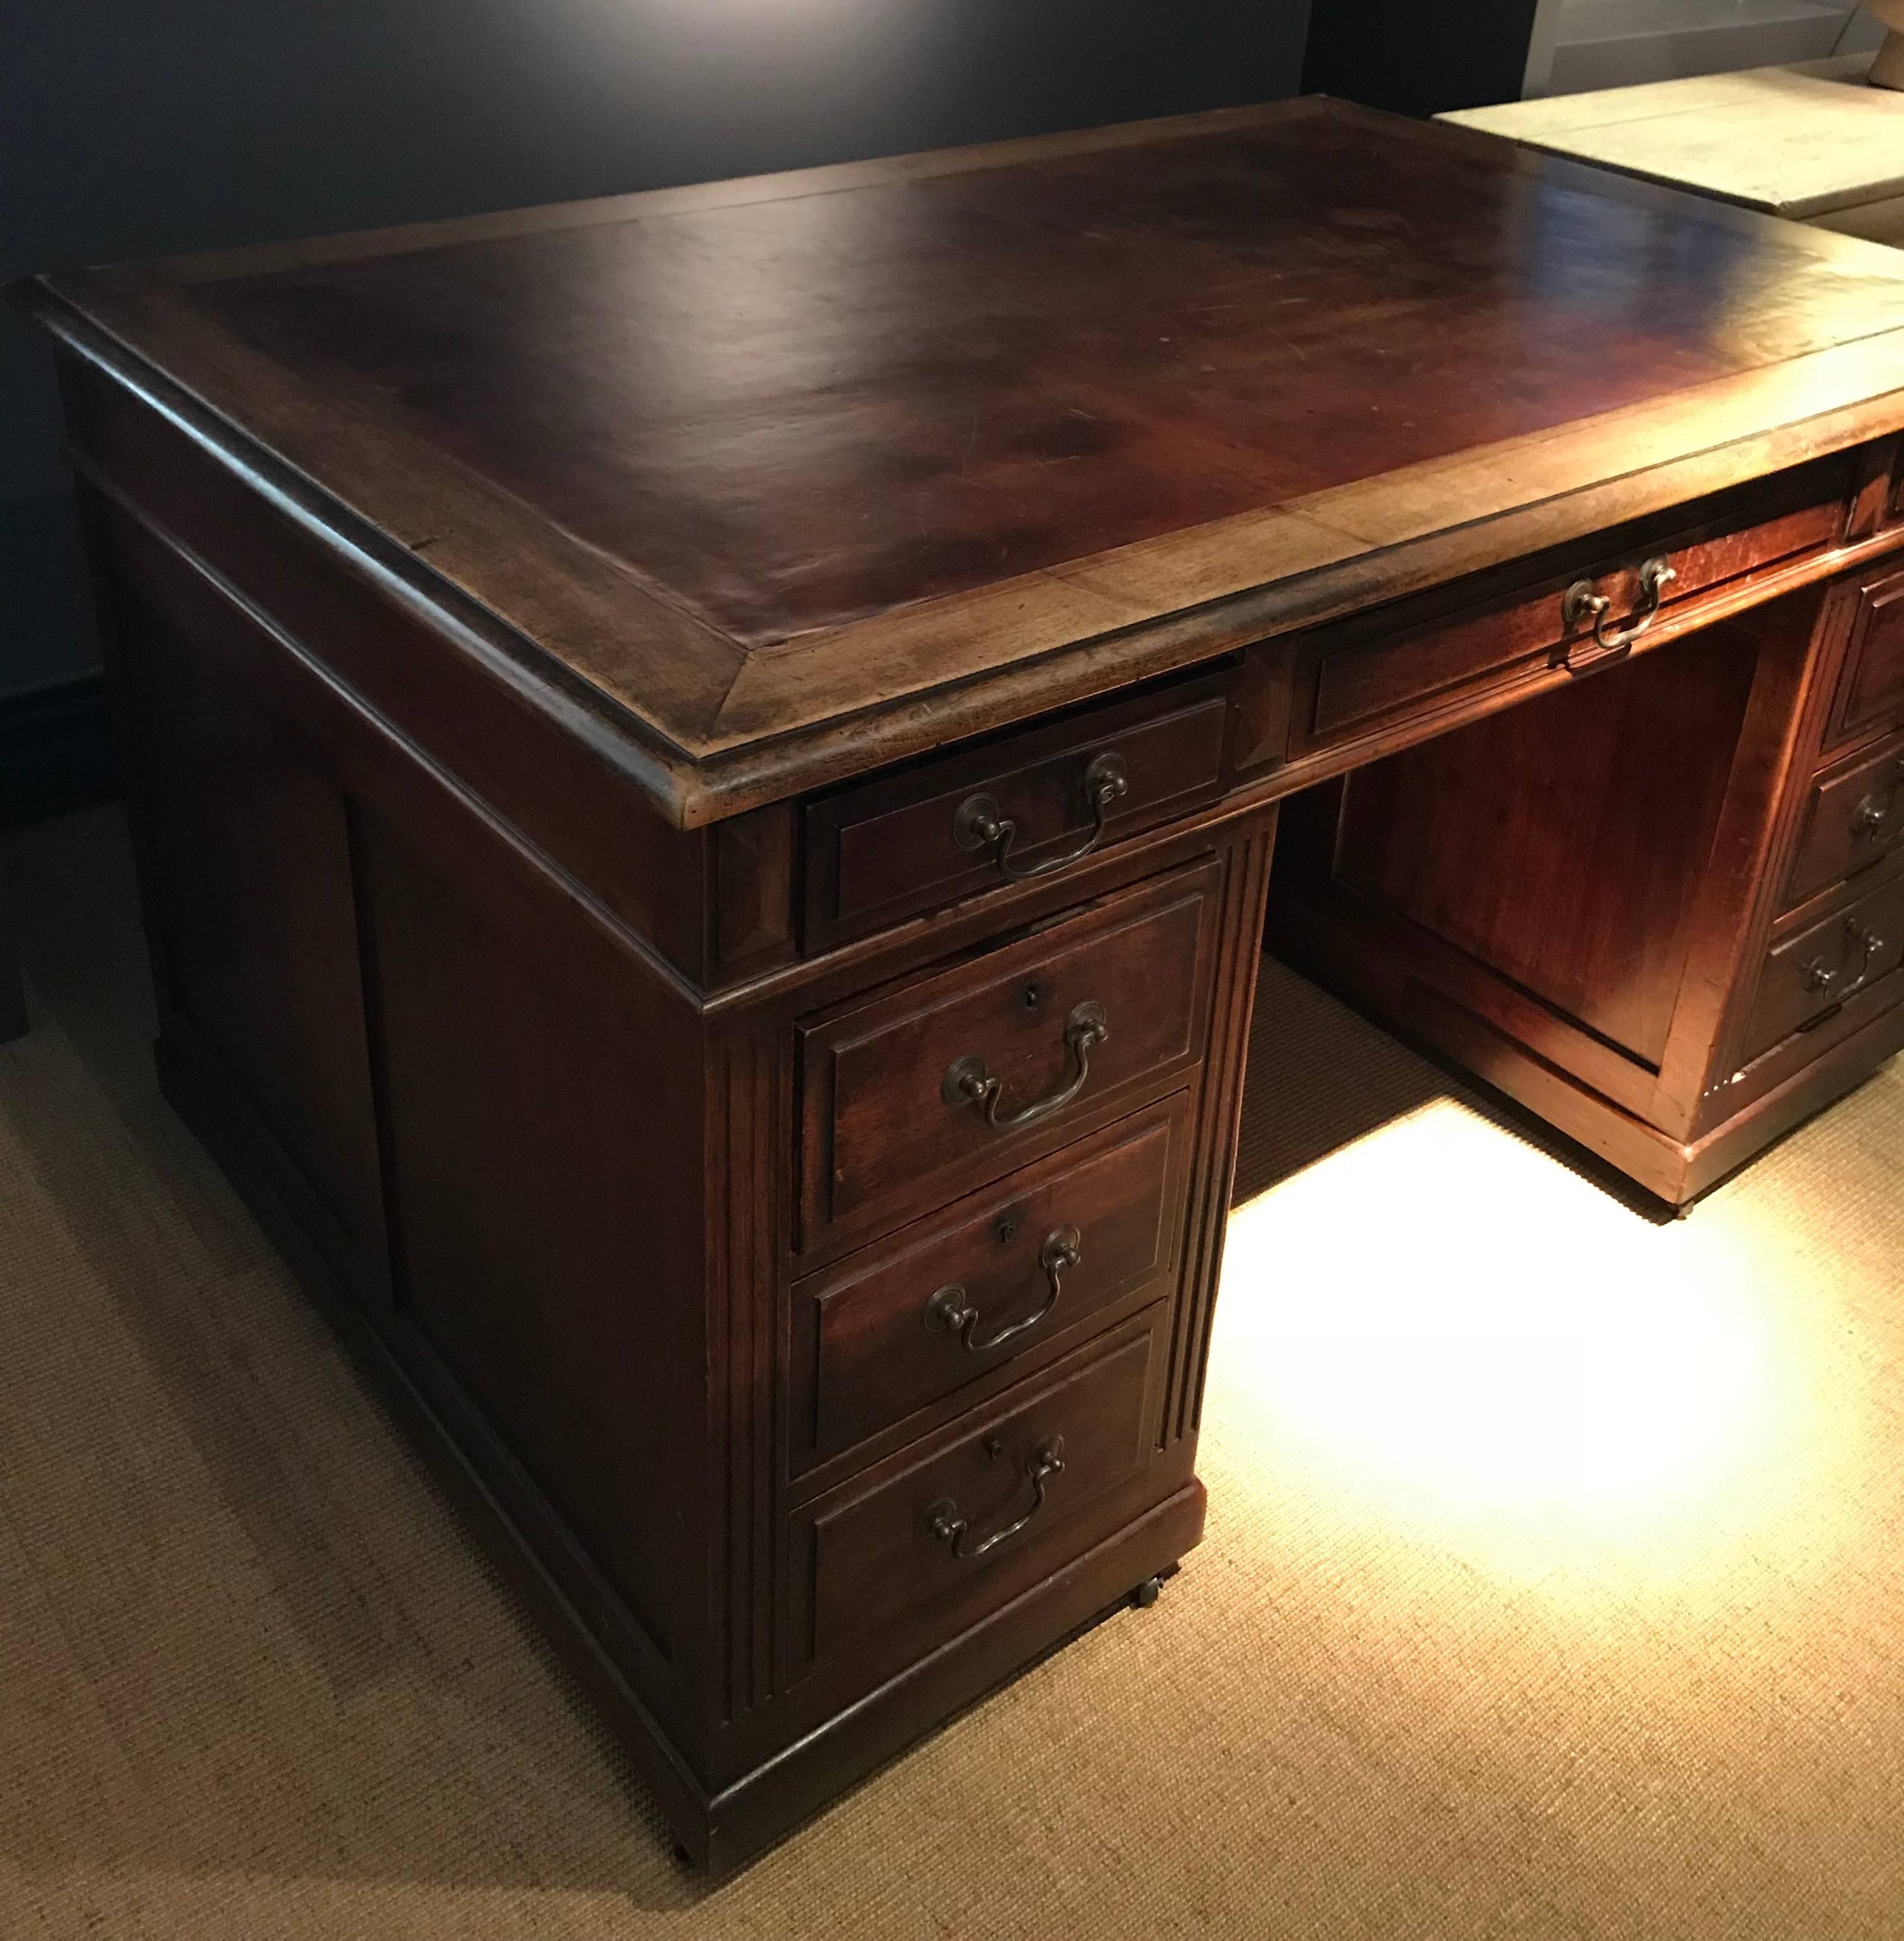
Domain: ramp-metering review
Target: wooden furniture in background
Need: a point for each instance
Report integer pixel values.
(1815, 142)
(707, 771)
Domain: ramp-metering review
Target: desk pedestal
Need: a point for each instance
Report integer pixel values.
(1663, 909)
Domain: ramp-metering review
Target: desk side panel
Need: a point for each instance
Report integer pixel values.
(437, 681)
(1595, 809)
(458, 1090)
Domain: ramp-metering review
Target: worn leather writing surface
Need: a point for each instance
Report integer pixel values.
(757, 457)
(796, 412)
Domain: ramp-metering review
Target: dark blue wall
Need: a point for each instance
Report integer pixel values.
(130, 129)
(1418, 58)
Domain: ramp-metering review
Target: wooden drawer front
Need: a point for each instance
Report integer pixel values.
(876, 1340)
(1811, 973)
(1355, 680)
(886, 1133)
(1871, 698)
(890, 849)
(1856, 819)
(916, 1554)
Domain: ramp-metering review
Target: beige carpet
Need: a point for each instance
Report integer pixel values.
(1554, 1583)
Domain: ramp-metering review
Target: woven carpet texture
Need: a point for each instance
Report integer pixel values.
(1553, 1585)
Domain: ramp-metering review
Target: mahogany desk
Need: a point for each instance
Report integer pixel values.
(707, 765)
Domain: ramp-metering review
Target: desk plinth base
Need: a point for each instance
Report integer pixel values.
(1674, 1171)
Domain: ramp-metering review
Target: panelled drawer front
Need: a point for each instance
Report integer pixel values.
(899, 1560)
(890, 849)
(1042, 1031)
(1871, 697)
(1818, 969)
(1353, 679)
(1856, 819)
(1010, 1271)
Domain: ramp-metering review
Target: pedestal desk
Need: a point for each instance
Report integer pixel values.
(707, 770)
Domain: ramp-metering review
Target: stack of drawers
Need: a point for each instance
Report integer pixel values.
(993, 1285)
(1838, 937)
(998, 1158)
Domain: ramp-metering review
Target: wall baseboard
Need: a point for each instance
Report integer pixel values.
(57, 752)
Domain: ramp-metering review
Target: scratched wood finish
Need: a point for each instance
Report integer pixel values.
(676, 398)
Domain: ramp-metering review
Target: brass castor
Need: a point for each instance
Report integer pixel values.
(1148, 1593)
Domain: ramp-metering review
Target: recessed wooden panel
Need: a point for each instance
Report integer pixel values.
(252, 897)
(753, 891)
(1872, 698)
(1808, 975)
(544, 1161)
(1854, 820)
(869, 1564)
(1563, 843)
(881, 1138)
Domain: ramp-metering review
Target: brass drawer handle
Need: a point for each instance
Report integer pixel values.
(967, 1082)
(1880, 815)
(950, 1311)
(944, 1522)
(1861, 940)
(1581, 603)
(978, 824)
